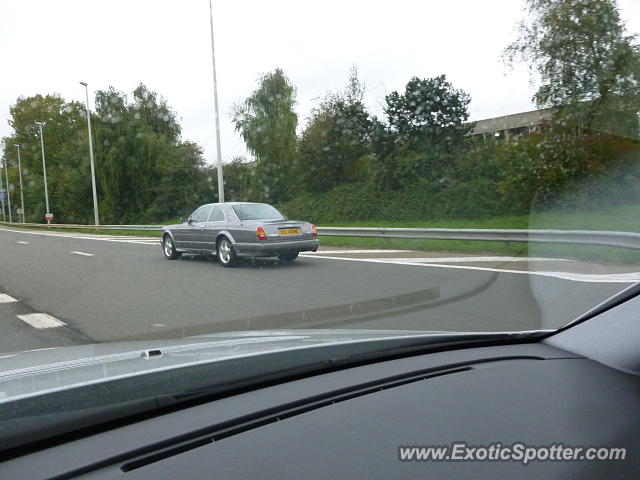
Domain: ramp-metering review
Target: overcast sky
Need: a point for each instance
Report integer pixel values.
(49, 46)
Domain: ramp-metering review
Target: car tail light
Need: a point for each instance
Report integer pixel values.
(314, 230)
(262, 235)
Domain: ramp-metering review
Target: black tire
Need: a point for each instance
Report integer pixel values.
(226, 253)
(169, 249)
(288, 257)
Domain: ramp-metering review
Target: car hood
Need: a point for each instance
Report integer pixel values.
(40, 371)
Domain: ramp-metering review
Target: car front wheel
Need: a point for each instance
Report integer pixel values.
(169, 248)
(226, 253)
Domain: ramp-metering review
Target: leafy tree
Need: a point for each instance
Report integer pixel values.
(239, 179)
(336, 144)
(144, 169)
(429, 113)
(66, 153)
(267, 123)
(588, 67)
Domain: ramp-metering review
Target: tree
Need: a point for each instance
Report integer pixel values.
(66, 153)
(267, 123)
(337, 142)
(145, 171)
(589, 68)
(430, 112)
(239, 179)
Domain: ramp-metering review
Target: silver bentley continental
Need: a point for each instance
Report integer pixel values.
(237, 229)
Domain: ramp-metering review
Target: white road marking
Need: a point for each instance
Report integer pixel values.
(41, 320)
(4, 298)
(462, 259)
(123, 239)
(23, 243)
(478, 259)
(631, 277)
(83, 253)
(322, 252)
(158, 325)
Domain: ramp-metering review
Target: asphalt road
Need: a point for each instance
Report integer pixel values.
(101, 289)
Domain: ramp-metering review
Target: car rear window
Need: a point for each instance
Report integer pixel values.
(257, 211)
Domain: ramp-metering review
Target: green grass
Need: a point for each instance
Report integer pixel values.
(597, 254)
(622, 218)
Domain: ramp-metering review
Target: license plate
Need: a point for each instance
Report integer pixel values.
(289, 231)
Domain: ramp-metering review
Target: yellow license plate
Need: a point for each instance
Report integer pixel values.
(289, 231)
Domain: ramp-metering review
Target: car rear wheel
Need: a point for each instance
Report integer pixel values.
(288, 257)
(226, 253)
(169, 248)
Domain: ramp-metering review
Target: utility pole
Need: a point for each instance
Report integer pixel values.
(93, 171)
(44, 171)
(217, 114)
(20, 176)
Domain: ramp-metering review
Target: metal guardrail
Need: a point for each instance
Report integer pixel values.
(629, 240)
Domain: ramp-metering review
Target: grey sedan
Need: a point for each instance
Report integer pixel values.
(233, 230)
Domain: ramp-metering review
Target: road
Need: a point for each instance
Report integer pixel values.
(60, 289)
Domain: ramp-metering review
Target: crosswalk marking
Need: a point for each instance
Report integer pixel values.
(41, 320)
(4, 298)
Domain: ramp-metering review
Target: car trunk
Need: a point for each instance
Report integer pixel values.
(284, 230)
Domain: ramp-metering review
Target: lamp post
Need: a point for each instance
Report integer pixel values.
(20, 176)
(93, 172)
(217, 115)
(44, 171)
(6, 176)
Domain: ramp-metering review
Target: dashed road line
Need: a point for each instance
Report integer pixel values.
(21, 242)
(4, 298)
(85, 254)
(41, 320)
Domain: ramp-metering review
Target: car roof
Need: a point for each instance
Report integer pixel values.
(231, 204)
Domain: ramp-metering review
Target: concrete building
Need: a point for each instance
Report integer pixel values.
(512, 125)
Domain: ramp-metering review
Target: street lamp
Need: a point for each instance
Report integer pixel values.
(6, 173)
(44, 171)
(93, 172)
(217, 115)
(4, 218)
(20, 176)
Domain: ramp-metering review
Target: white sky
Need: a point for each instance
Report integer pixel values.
(49, 46)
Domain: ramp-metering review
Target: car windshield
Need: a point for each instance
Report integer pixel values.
(256, 211)
(449, 167)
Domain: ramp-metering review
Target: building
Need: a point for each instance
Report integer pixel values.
(512, 125)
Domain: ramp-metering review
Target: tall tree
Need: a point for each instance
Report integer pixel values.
(336, 144)
(267, 123)
(430, 112)
(66, 153)
(144, 168)
(588, 67)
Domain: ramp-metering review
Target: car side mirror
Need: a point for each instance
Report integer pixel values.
(190, 221)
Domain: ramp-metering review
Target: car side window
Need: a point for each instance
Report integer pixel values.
(201, 214)
(217, 214)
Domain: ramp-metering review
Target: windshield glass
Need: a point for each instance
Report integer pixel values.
(441, 166)
(256, 211)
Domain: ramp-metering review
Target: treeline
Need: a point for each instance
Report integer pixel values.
(145, 172)
(417, 161)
